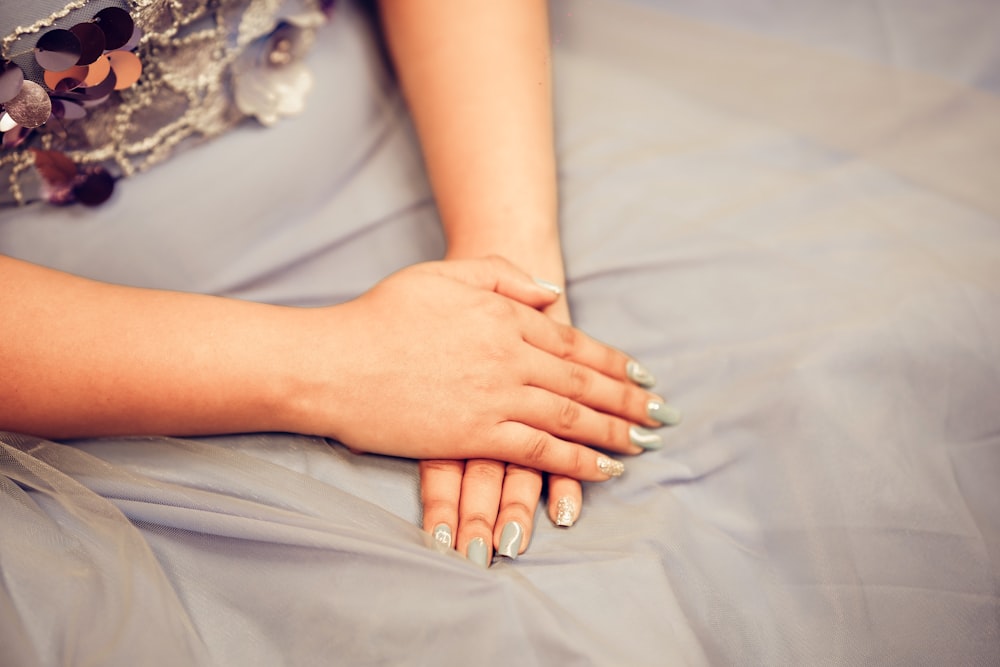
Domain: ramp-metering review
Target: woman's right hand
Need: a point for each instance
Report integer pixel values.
(452, 360)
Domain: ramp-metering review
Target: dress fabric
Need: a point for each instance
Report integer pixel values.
(790, 215)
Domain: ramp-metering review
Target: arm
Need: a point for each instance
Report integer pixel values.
(456, 349)
(85, 358)
(476, 75)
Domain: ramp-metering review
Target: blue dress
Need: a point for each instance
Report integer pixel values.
(793, 225)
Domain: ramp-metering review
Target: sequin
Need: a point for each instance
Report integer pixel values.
(97, 71)
(117, 26)
(7, 123)
(58, 50)
(127, 68)
(101, 90)
(66, 110)
(92, 42)
(95, 187)
(15, 137)
(194, 88)
(31, 107)
(11, 78)
(133, 40)
(61, 82)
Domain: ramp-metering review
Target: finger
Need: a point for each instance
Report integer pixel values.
(567, 342)
(522, 487)
(565, 500)
(519, 443)
(572, 345)
(574, 421)
(477, 509)
(440, 489)
(596, 390)
(499, 275)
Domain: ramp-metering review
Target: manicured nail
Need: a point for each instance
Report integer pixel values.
(636, 373)
(478, 553)
(510, 540)
(644, 438)
(565, 512)
(610, 467)
(545, 284)
(664, 413)
(442, 536)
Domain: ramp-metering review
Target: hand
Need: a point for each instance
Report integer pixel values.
(492, 504)
(444, 363)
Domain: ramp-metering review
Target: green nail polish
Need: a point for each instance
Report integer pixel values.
(644, 438)
(510, 540)
(442, 536)
(478, 553)
(545, 284)
(636, 373)
(664, 413)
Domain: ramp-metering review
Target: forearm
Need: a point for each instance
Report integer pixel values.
(476, 74)
(85, 358)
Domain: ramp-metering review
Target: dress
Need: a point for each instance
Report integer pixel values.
(218, 228)
(819, 297)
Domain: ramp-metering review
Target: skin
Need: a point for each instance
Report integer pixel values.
(458, 349)
(477, 77)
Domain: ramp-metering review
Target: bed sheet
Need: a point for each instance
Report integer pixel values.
(798, 234)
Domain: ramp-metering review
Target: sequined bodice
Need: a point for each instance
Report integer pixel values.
(203, 67)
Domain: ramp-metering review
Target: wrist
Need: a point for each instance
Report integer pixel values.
(538, 254)
(310, 379)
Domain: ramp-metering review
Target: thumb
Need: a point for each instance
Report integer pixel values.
(496, 274)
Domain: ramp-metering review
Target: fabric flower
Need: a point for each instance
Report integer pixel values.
(269, 78)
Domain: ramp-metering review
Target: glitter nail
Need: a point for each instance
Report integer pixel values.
(610, 467)
(565, 512)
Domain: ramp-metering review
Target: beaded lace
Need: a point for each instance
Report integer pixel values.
(207, 65)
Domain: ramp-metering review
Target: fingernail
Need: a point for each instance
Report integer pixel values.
(664, 413)
(644, 438)
(442, 536)
(636, 373)
(510, 540)
(610, 467)
(565, 512)
(545, 284)
(478, 553)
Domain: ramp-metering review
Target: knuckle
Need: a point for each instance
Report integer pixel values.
(628, 397)
(439, 507)
(612, 433)
(568, 339)
(576, 459)
(477, 523)
(498, 308)
(536, 447)
(579, 382)
(514, 469)
(613, 362)
(569, 414)
(520, 511)
(484, 472)
(439, 466)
